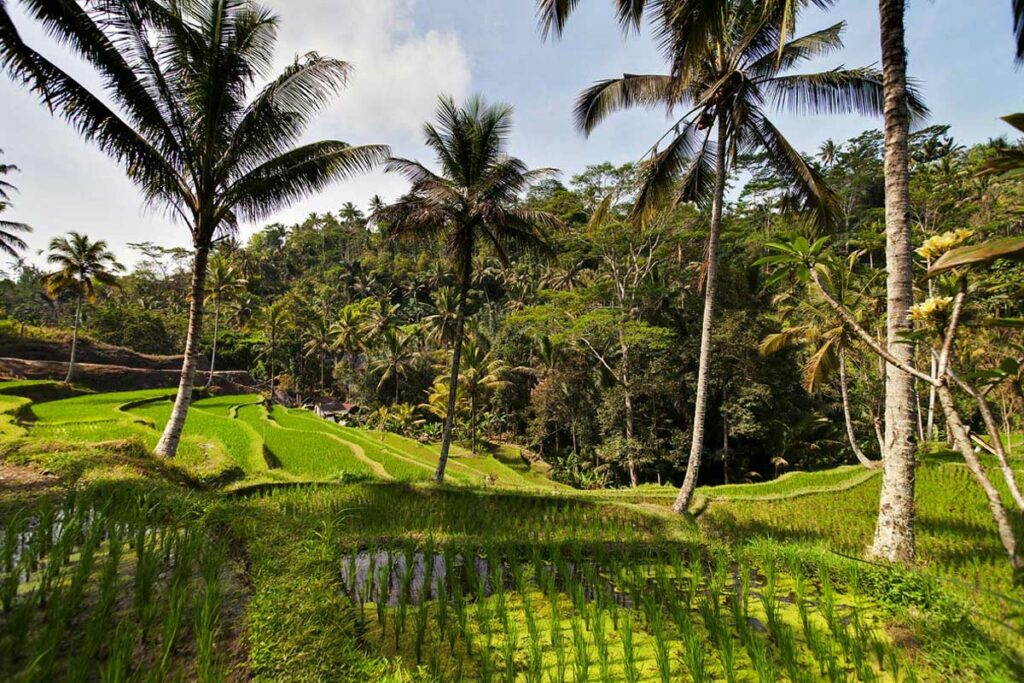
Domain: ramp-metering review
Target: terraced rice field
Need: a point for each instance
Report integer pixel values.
(239, 432)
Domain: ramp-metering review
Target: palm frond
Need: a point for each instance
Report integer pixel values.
(604, 98)
(296, 174)
(810, 190)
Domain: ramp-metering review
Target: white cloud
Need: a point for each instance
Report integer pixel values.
(398, 72)
(67, 184)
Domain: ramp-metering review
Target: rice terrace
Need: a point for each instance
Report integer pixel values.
(745, 404)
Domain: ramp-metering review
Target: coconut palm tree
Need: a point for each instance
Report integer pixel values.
(481, 375)
(10, 243)
(178, 112)
(81, 265)
(725, 90)
(347, 331)
(398, 355)
(473, 200)
(223, 285)
(442, 323)
(274, 320)
(318, 342)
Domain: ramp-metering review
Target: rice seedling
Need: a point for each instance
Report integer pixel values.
(581, 650)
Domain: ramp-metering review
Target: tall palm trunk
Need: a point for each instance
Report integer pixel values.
(894, 534)
(460, 328)
(74, 338)
(168, 444)
(844, 390)
(682, 503)
(213, 353)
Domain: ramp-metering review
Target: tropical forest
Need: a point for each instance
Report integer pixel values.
(743, 402)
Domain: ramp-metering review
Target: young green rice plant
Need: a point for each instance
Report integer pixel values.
(581, 660)
(768, 600)
(629, 652)
(442, 608)
(600, 633)
(117, 667)
(81, 577)
(9, 563)
(405, 591)
(695, 656)
(461, 617)
(207, 615)
(381, 602)
(558, 642)
(147, 566)
(757, 649)
(422, 618)
(662, 657)
(174, 621)
(510, 646)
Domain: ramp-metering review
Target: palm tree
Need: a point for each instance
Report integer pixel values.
(399, 355)
(441, 324)
(178, 76)
(724, 90)
(10, 243)
(273, 320)
(481, 375)
(828, 152)
(348, 331)
(81, 265)
(474, 199)
(224, 284)
(319, 342)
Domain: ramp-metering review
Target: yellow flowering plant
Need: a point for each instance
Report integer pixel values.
(937, 245)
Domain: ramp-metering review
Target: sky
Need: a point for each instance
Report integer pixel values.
(407, 52)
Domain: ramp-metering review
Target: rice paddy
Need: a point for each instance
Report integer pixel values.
(331, 557)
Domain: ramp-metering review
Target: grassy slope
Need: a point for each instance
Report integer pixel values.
(304, 452)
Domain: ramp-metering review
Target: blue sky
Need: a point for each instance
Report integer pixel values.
(408, 51)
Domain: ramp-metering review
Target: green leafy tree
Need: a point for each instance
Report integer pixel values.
(475, 199)
(178, 78)
(81, 266)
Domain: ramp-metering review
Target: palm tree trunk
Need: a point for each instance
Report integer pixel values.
(449, 418)
(168, 444)
(472, 425)
(74, 339)
(894, 534)
(634, 478)
(216, 332)
(962, 441)
(682, 503)
(844, 390)
(725, 449)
